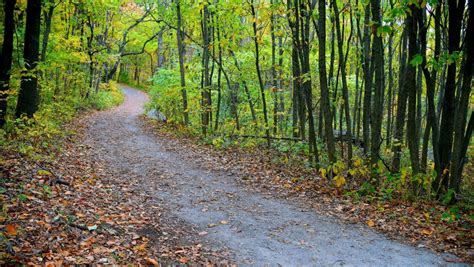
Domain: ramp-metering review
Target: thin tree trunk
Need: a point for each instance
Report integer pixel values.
(401, 105)
(325, 101)
(47, 30)
(367, 80)
(345, 89)
(179, 35)
(377, 110)
(259, 74)
(206, 95)
(411, 89)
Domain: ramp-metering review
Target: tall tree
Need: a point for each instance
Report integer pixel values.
(28, 96)
(6, 56)
(179, 37)
(455, 13)
(378, 70)
(462, 135)
(411, 88)
(259, 73)
(345, 89)
(206, 78)
(325, 101)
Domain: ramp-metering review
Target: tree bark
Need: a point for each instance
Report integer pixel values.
(47, 30)
(6, 56)
(411, 89)
(377, 109)
(259, 74)
(28, 96)
(345, 89)
(179, 37)
(325, 101)
(441, 183)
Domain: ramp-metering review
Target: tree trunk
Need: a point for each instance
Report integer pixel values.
(259, 74)
(179, 36)
(325, 101)
(461, 136)
(441, 183)
(345, 89)
(47, 30)
(411, 89)
(377, 109)
(206, 95)
(28, 96)
(367, 80)
(401, 105)
(6, 56)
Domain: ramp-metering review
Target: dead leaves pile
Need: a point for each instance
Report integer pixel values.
(420, 223)
(86, 218)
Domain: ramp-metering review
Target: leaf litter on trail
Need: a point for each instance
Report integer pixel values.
(84, 220)
(420, 223)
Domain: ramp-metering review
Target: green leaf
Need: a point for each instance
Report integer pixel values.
(416, 60)
(384, 30)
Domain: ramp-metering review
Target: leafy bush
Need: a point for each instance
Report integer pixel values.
(109, 95)
(166, 96)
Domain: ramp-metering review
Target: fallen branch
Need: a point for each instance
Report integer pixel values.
(271, 137)
(57, 178)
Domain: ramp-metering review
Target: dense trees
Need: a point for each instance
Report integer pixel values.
(388, 82)
(395, 81)
(54, 51)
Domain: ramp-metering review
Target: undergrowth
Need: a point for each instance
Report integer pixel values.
(35, 136)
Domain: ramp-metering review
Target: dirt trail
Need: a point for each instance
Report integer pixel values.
(257, 229)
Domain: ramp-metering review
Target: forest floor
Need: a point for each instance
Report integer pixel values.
(137, 195)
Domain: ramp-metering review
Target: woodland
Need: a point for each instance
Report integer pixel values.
(365, 102)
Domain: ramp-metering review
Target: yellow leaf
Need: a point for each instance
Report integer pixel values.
(322, 171)
(357, 162)
(44, 172)
(427, 232)
(370, 223)
(339, 180)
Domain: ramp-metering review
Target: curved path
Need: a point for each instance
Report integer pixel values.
(257, 229)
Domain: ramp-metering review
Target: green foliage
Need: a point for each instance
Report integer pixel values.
(108, 96)
(165, 96)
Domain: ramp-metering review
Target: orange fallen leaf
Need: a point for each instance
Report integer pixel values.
(370, 223)
(11, 229)
(151, 261)
(183, 260)
(426, 232)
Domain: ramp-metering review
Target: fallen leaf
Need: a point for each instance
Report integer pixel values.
(11, 229)
(426, 232)
(183, 260)
(202, 233)
(370, 223)
(151, 261)
(224, 222)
